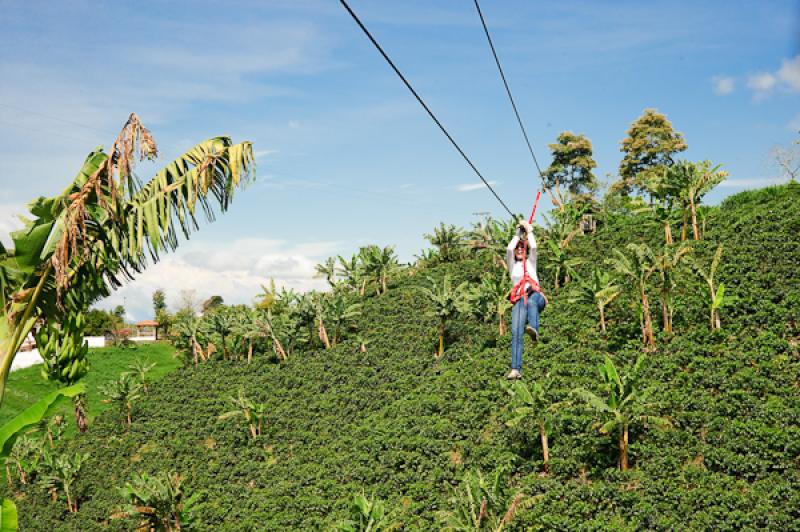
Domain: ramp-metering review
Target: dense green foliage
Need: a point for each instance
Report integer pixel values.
(413, 430)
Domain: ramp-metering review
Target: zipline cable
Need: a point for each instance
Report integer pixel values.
(424, 105)
(508, 90)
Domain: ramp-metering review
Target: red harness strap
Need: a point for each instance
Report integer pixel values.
(519, 289)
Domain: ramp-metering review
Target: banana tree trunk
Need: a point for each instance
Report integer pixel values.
(695, 231)
(383, 283)
(441, 338)
(501, 325)
(602, 310)
(323, 335)
(665, 314)
(279, 349)
(667, 232)
(647, 324)
(623, 448)
(80, 414)
(249, 351)
(545, 447)
(685, 224)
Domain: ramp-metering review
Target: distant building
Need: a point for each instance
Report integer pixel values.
(146, 330)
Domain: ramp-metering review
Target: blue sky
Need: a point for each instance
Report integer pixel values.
(345, 155)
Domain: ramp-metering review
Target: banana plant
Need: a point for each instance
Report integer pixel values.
(638, 267)
(448, 241)
(64, 470)
(251, 413)
(79, 245)
(489, 300)
(531, 404)
(717, 297)
(599, 291)
(481, 504)
(140, 368)
(448, 301)
(667, 263)
(159, 500)
(125, 392)
(368, 514)
(623, 407)
(340, 315)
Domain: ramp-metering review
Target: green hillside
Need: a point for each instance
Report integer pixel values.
(401, 425)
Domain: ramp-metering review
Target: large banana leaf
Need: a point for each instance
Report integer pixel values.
(32, 415)
(8, 516)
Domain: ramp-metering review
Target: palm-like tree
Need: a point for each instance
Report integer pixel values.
(695, 181)
(140, 368)
(125, 391)
(64, 470)
(638, 267)
(340, 315)
(448, 240)
(79, 245)
(327, 271)
(448, 301)
(352, 273)
(667, 264)
(187, 330)
(248, 329)
(490, 301)
(251, 413)
(480, 503)
(623, 407)
(379, 264)
(599, 291)
(562, 266)
(717, 298)
(530, 403)
(221, 322)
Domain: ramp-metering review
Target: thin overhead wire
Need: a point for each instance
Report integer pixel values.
(423, 104)
(508, 90)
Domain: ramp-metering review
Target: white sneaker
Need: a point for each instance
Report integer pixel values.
(513, 375)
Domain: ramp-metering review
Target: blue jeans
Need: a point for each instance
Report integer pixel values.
(522, 315)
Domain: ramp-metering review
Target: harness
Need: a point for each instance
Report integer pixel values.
(518, 291)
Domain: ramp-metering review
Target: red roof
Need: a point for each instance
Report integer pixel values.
(147, 323)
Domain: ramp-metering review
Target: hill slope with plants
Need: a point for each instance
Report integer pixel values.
(714, 442)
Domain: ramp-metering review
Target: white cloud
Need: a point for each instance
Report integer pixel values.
(469, 187)
(9, 221)
(786, 78)
(260, 154)
(724, 85)
(761, 83)
(234, 270)
(294, 124)
(789, 73)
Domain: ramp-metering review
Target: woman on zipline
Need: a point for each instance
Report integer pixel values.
(526, 296)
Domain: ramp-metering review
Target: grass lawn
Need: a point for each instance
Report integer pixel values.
(26, 386)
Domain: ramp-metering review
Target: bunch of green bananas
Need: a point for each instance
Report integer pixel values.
(63, 349)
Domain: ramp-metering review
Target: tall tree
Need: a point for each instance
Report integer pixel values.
(489, 300)
(80, 244)
(572, 164)
(159, 302)
(212, 303)
(649, 148)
